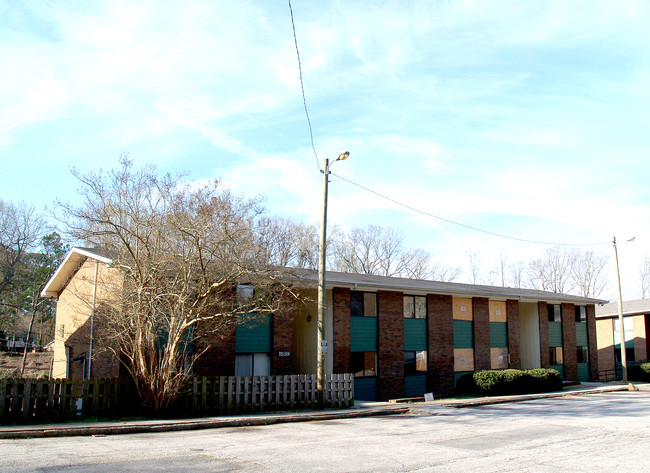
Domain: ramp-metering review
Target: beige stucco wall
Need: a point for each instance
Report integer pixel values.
(72, 329)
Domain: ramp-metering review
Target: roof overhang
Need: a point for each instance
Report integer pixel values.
(68, 267)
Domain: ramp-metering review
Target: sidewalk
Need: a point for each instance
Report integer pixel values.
(361, 409)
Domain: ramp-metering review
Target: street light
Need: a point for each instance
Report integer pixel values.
(620, 313)
(321, 342)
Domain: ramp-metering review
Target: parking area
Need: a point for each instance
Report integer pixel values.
(604, 432)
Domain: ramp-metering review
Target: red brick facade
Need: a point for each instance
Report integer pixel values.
(282, 339)
(570, 353)
(440, 325)
(342, 330)
(390, 338)
(544, 345)
(593, 346)
(481, 311)
(217, 338)
(514, 337)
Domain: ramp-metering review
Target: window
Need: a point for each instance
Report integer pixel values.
(415, 307)
(556, 356)
(364, 363)
(581, 313)
(252, 364)
(363, 304)
(415, 362)
(583, 355)
(554, 313)
(629, 355)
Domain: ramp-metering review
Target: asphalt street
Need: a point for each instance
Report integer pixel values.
(603, 432)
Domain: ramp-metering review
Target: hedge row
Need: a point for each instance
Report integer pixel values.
(639, 372)
(502, 382)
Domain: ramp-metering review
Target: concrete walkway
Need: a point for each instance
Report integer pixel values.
(361, 409)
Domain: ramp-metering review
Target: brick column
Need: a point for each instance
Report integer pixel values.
(481, 312)
(440, 326)
(640, 347)
(593, 346)
(217, 338)
(514, 336)
(542, 311)
(569, 351)
(282, 337)
(342, 338)
(390, 338)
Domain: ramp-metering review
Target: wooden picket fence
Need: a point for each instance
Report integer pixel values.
(28, 400)
(35, 400)
(221, 395)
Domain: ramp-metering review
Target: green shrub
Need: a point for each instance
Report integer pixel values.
(503, 382)
(639, 372)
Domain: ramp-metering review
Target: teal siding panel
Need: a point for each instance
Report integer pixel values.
(463, 334)
(253, 336)
(559, 368)
(415, 334)
(458, 374)
(498, 335)
(555, 334)
(363, 333)
(582, 339)
(583, 371)
(365, 389)
(415, 385)
(628, 344)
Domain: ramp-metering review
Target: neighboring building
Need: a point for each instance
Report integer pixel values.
(400, 337)
(636, 327)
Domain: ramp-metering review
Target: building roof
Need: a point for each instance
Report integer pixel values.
(71, 263)
(369, 282)
(635, 307)
(77, 256)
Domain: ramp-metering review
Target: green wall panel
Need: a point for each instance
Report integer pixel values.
(559, 368)
(415, 385)
(415, 334)
(363, 333)
(498, 335)
(628, 344)
(458, 374)
(583, 371)
(365, 389)
(582, 339)
(463, 334)
(253, 336)
(555, 334)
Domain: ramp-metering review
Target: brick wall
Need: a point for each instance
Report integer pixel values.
(390, 337)
(514, 336)
(640, 348)
(282, 336)
(544, 347)
(593, 346)
(342, 336)
(217, 338)
(570, 353)
(441, 344)
(481, 311)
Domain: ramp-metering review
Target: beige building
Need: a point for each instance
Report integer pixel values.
(84, 285)
(636, 328)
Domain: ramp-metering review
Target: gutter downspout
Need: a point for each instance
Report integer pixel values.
(92, 321)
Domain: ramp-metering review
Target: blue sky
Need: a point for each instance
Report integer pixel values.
(523, 118)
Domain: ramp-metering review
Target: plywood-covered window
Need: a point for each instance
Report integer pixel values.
(363, 304)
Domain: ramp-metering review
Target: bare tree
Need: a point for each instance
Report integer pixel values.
(285, 243)
(552, 271)
(587, 273)
(475, 258)
(182, 253)
(381, 251)
(645, 278)
(516, 272)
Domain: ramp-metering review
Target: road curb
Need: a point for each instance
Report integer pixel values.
(198, 424)
(527, 397)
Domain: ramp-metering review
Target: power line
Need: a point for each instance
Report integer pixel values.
(302, 87)
(499, 235)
